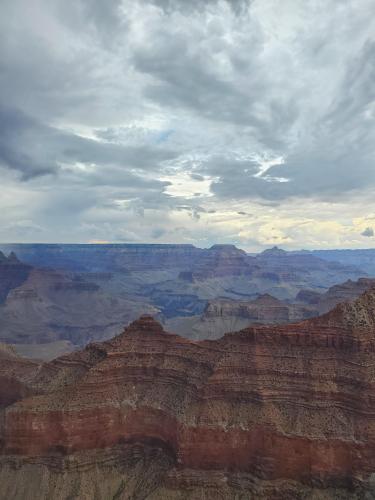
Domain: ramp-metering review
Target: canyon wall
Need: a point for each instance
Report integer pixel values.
(284, 411)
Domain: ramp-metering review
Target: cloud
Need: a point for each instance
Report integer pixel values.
(214, 68)
(157, 232)
(177, 119)
(321, 130)
(238, 6)
(368, 232)
(34, 149)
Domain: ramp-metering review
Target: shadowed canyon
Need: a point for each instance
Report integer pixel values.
(264, 390)
(60, 297)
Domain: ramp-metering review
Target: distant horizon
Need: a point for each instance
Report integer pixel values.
(140, 243)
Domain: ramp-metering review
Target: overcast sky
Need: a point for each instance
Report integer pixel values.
(188, 121)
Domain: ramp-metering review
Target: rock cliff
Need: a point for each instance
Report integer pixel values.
(269, 412)
(224, 315)
(343, 292)
(12, 274)
(51, 306)
(220, 261)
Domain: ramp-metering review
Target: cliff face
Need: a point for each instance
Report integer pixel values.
(290, 267)
(268, 412)
(271, 266)
(51, 306)
(343, 292)
(264, 309)
(16, 376)
(54, 306)
(12, 274)
(220, 261)
(224, 315)
(109, 257)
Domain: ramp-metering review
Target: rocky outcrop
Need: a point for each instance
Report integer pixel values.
(117, 258)
(52, 306)
(343, 292)
(12, 274)
(172, 304)
(310, 297)
(224, 315)
(219, 261)
(264, 309)
(108, 286)
(269, 412)
(296, 267)
(173, 277)
(16, 374)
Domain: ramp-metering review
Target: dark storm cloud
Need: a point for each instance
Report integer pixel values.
(335, 148)
(158, 232)
(341, 155)
(57, 60)
(368, 232)
(191, 5)
(34, 149)
(197, 177)
(105, 15)
(220, 166)
(338, 157)
(236, 179)
(115, 176)
(185, 75)
(15, 129)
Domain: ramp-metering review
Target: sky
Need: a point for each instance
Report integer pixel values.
(188, 121)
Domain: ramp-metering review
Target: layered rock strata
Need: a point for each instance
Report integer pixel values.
(12, 274)
(224, 315)
(51, 306)
(269, 412)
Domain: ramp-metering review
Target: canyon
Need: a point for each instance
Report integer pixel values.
(269, 412)
(226, 315)
(61, 309)
(48, 293)
(12, 274)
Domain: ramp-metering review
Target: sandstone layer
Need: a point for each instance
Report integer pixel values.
(272, 412)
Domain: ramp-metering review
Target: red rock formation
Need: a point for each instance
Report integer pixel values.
(16, 374)
(268, 412)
